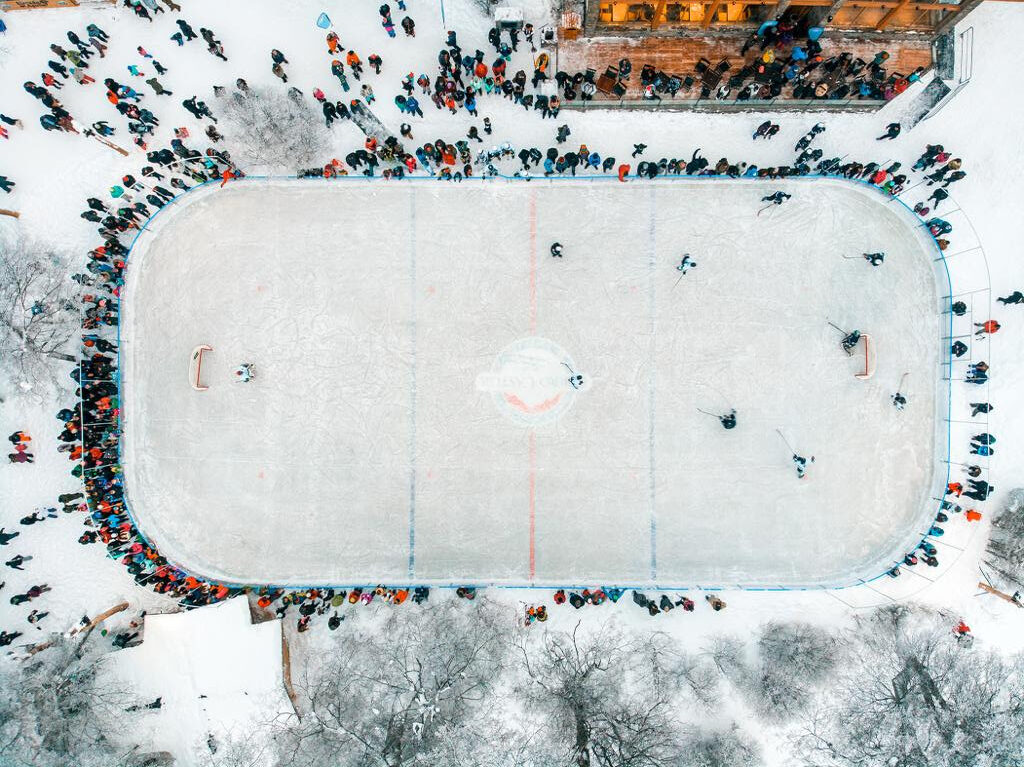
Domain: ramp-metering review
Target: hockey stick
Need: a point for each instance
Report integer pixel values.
(853, 257)
(779, 431)
(899, 389)
(837, 328)
(705, 412)
(765, 208)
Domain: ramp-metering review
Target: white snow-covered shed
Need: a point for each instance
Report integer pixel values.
(215, 672)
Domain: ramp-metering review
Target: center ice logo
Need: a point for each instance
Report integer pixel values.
(533, 381)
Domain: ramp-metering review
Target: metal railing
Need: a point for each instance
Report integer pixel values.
(712, 104)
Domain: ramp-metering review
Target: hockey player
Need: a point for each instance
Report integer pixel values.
(728, 420)
(245, 372)
(686, 263)
(899, 401)
(801, 465)
(850, 341)
(556, 250)
(777, 198)
(875, 259)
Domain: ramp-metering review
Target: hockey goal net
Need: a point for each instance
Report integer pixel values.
(195, 367)
(870, 357)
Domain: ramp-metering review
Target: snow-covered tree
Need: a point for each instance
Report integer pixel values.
(910, 694)
(59, 707)
(720, 748)
(38, 313)
(396, 692)
(1005, 551)
(607, 698)
(268, 130)
(793, 660)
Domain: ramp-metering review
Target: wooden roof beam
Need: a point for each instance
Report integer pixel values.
(658, 11)
(711, 13)
(890, 15)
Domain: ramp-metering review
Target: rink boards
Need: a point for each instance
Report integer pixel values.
(416, 415)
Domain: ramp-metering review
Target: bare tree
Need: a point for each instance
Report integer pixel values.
(911, 695)
(398, 691)
(59, 707)
(269, 130)
(1005, 550)
(38, 313)
(793, 660)
(606, 698)
(720, 748)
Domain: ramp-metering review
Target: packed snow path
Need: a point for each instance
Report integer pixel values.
(412, 417)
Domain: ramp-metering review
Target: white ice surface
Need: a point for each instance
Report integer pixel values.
(371, 446)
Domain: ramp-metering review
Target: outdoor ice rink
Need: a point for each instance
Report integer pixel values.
(412, 419)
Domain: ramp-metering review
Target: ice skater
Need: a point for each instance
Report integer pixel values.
(245, 372)
(728, 420)
(899, 399)
(801, 465)
(686, 263)
(875, 259)
(798, 460)
(777, 198)
(850, 339)
(556, 250)
(575, 379)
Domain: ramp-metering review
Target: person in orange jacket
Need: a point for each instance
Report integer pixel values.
(352, 59)
(986, 327)
(623, 172)
(972, 515)
(226, 176)
(954, 487)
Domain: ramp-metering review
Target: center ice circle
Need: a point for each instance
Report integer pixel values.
(532, 381)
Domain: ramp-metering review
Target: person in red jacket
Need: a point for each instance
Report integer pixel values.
(623, 172)
(986, 327)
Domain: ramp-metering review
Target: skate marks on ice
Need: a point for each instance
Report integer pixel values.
(375, 314)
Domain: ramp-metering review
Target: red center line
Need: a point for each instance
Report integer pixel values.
(533, 502)
(533, 331)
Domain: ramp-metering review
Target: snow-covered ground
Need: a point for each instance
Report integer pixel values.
(56, 172)
(411, 421)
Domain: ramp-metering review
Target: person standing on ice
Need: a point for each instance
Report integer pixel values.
(777, 198)
(1016, 297)
(245, 372)
(556, 250)
(801, 465)
(686, 263)
(875, 259)
(899, 401)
